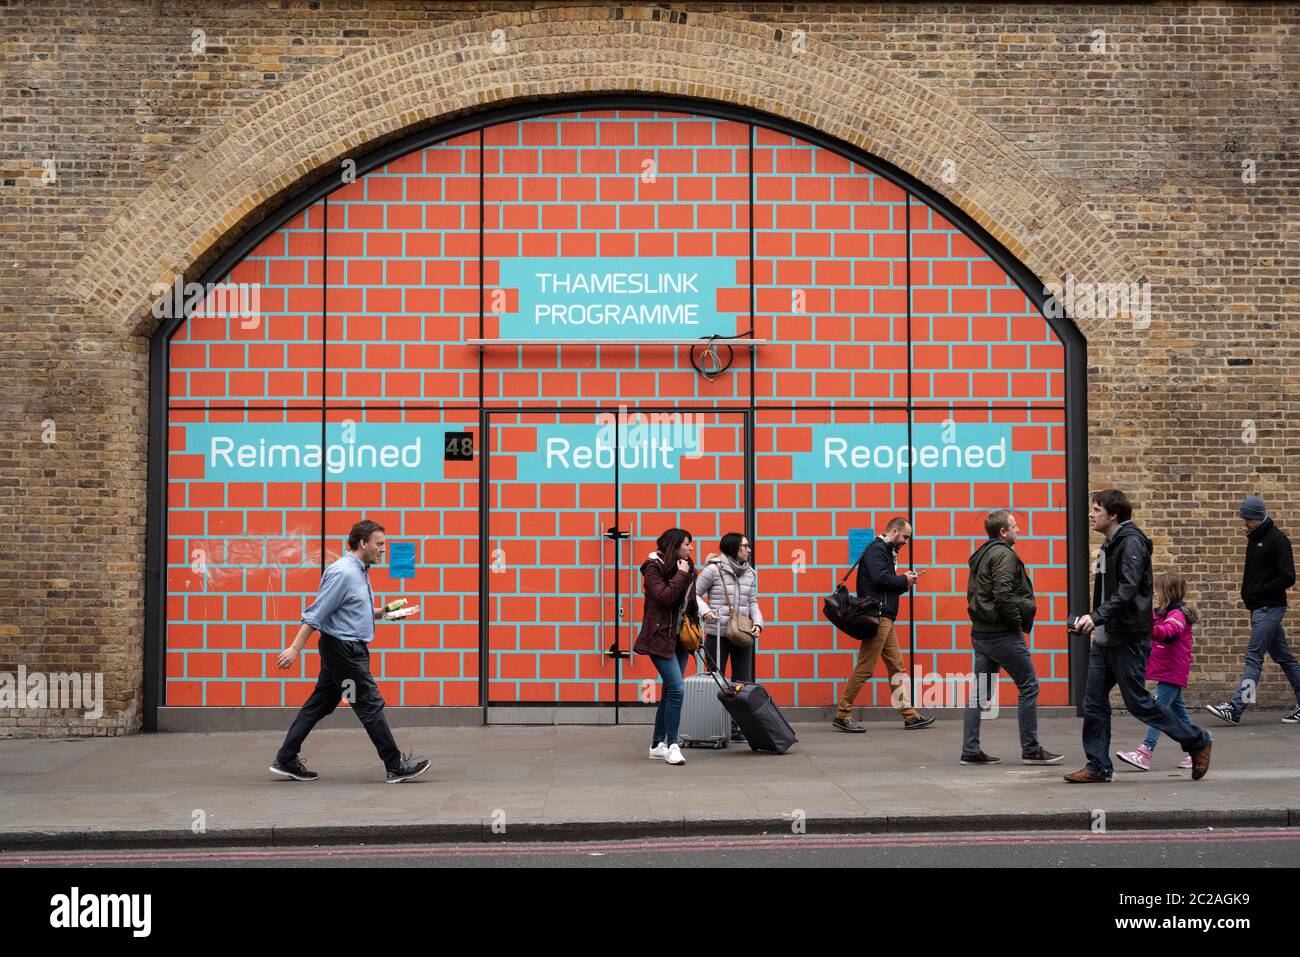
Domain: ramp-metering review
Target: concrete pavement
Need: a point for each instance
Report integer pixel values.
(585, 783)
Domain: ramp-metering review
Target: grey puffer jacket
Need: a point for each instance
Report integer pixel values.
(717, 589)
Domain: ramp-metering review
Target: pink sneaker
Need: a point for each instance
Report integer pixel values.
(1140, 759)
(1186, 763)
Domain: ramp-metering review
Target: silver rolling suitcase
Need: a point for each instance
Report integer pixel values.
(705, 722)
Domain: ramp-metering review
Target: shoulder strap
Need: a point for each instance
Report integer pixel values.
(857, 563)
(727, 592)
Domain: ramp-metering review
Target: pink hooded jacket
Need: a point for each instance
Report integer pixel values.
(1171, 648)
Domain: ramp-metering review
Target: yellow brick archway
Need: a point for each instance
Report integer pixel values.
(297, 135)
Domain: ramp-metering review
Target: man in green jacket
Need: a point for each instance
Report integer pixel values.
(1000, 602)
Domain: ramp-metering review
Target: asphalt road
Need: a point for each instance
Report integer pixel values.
(1243, 848)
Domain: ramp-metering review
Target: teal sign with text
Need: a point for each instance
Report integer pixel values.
(961, 452)
(616, 298)
(293, 452)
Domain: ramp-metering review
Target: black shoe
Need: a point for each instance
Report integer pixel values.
(978, 759)
(1292, 718)
(1041, 756)
(738, 735)
(1224, 713)
(407, 769)
(293, 769)
(848, 724)
(920, 721)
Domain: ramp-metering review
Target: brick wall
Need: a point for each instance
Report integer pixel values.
(1112, 165)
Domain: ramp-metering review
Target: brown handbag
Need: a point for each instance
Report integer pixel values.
(740, 628)
(690, 633)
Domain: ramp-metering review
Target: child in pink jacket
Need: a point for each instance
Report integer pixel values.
(1170, 661)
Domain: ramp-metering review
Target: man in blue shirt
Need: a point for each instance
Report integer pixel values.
(344, 612)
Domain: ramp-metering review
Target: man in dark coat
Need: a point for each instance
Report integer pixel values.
(1269, 571)
(1120, 625)
(878, 576)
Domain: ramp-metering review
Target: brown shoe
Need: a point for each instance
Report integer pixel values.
(1201, 762)
(1084, 776)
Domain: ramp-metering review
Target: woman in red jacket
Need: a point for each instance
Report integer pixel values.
(669, 576)
(1170, 661)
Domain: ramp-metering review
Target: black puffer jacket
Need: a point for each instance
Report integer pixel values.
(1121, 591)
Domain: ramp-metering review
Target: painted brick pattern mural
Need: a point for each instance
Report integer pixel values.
(252, 521)
(369, 299)
(403, 260)
(265, 348)
(623, 190)
(975, 335)
(553, 500)
(830, 276)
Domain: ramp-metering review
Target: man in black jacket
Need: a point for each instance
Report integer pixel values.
(877, 575)
(1001, 605)
(1120, 625)
(1269, 572)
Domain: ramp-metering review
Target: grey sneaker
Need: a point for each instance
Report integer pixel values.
(1224, 713)
(407, 769)
(848, 724)
(920, 721)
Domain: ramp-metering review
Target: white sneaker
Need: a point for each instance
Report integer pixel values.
(659, 751)
(674, 755)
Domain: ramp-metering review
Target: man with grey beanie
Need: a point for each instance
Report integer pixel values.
(1269, 572)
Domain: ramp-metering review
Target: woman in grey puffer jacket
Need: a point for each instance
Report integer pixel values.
(729, 580)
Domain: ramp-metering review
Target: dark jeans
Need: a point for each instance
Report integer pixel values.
(1266, 637)
(668, 716)
(993, 651)
(1125, 665)
(342, 661)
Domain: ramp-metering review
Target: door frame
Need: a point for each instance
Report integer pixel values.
(744, 416)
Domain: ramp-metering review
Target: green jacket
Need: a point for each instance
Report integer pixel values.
(999, 596)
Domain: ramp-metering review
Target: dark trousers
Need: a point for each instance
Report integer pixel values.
(344, 669)
(721, 651)
(994, 651)
(1266, 637)
(1126, 665)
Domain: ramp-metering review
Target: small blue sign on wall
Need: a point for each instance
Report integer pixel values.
(401, 559)
(859, 539)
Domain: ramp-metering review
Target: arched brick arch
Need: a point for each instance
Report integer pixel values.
(291, 137)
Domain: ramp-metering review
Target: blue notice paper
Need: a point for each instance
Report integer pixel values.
(859, 539)
(401, 559)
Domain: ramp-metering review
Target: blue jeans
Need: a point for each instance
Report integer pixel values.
(1266, 637)
(668, 716)
(1171, 697)
(1003, 650)
(1125, 665)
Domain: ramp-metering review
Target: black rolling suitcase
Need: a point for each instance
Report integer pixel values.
(753, 709)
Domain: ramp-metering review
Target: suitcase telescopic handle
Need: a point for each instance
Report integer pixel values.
(707, 660)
